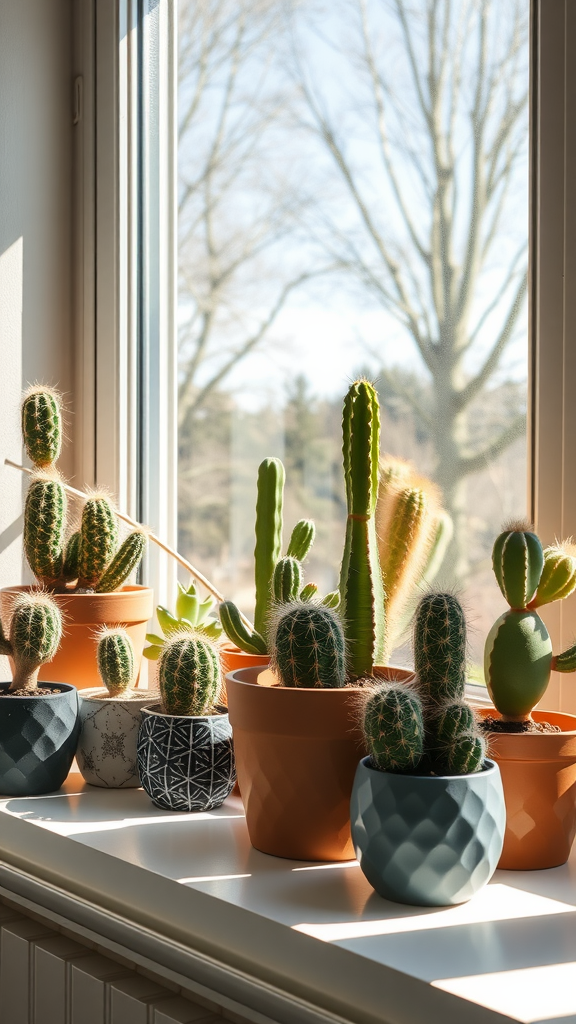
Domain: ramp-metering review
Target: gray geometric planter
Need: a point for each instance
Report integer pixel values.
(431, 841)
(38, 737)
(107, 748)
(186, 762)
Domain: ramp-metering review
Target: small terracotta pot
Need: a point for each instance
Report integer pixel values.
(232, 658)
(539, 778)
(84, 615)
(296, 756)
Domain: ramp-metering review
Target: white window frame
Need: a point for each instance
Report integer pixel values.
(125, 288)
(126, 282)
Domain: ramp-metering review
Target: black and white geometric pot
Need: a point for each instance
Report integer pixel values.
(38, 737)
(108, 744)
(186, 763)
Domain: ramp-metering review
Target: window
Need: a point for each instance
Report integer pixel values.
(353, 199)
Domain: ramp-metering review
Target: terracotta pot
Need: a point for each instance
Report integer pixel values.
(296, 756)
(232, 658)
(84, 615)
(539, 778)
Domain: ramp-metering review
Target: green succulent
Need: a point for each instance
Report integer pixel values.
(192, 614)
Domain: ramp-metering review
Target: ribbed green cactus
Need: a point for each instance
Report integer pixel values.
(394, 728)
(518, 655)
(189, 675)
(98, 540)
(268, 535)
(308, 647)
(44, 526)
(301, 540)
(90, 555)
(115, 657)
(42, 426)
(249, 641)
(287, 580)
(428, 725)
(35, 634)
(361, 589)
(191, 614)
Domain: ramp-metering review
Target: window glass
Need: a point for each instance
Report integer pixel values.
(353, 199)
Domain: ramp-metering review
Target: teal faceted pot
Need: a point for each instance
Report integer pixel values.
(428, 840)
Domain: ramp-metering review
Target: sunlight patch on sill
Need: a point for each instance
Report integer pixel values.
(497, 902)
(528, 995)
(330, 867)
(210, 878)
(77, 828)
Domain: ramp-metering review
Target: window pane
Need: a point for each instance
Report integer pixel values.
(353, 200)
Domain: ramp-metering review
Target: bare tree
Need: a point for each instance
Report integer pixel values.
(426, 138)
(236, 206)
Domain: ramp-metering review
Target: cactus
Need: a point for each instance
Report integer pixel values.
(90, 556)
(308, 647)
(428, 725)
(115, 656)
(301, 540)
(287, 580)
(518, 657)
(189, 675)
(268, 535)
(42, 426)
(191, 614)
(44, 526)
(394, 728)
(361, 589)
(34, 638)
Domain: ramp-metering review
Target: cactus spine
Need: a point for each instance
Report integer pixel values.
(90, 556)
(308, 646)
(34, 638)
(429, 725)
(361, 589)
(518, 654)
(189, 675)
(115, 657)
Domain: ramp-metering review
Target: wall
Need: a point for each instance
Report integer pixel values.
(35, 232)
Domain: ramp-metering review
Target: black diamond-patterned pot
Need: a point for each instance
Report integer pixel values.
(186, 763)
(424, 839)
(38, 737)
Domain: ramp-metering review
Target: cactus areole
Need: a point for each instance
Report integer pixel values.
(518, 654)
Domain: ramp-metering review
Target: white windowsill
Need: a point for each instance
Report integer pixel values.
(314, 940)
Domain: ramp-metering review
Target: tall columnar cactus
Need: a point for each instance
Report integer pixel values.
(361, 589)
(277, 579)
(428, 725)
(115, 656)
(308, 647)
(34, 637)
(518, 654)
(189, 675)
(91, 555)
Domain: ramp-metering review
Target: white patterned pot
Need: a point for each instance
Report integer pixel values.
(107, 748)
(186, 762)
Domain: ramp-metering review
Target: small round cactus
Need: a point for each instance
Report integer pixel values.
(189, 675)
(394, 728)
(440, 648)
(518, 561)
(287, 580)
(35, 634)
(115, 656)
(457, 748)
(308, 648)
(42, 426)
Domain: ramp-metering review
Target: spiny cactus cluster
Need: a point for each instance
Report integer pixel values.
(34, 637)
(191, 614)
(115, 657)
(308, 647)
(361, 589)
(518, 654)
(413, 534)
(278, 580)
(189, 675)
(91, 556)
(428, 725)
